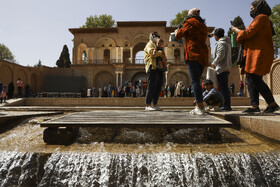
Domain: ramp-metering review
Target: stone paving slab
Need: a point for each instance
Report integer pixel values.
(167, 118)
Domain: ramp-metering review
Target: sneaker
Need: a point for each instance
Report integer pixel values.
(197, 111)
(252, 110)
(225, 108)
(271, 109)
(149, 108)
(157, 108)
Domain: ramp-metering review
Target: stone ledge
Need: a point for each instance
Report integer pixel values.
(178, 101)
(264, 125)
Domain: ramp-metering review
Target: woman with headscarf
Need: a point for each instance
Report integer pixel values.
(259, 54)
(155, 75)
(195, 32)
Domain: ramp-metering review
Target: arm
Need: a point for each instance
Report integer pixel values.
(150, 50)
(182, 31)
(207, 95)
(220, 55)
(253, 29)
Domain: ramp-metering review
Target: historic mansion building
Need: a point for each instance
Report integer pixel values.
(103, 56)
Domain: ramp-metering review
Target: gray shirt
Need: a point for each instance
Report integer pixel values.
(222, 55)
(213, 92)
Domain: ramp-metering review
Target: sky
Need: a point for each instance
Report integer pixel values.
(36, 30)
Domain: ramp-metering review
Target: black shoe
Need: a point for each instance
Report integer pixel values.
(271, 109)
(252, 110)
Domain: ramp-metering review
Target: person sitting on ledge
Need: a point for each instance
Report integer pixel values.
(212, 97)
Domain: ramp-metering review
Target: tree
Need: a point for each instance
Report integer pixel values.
(64, 59)
(39, 64)
(275, 18)
(6, 54)
(237, 22)
(180, 18)
(101, 21)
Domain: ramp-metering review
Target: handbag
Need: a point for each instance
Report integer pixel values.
(241, 60)
(212, 75)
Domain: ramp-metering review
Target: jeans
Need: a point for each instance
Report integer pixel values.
(223, 82)
(257, 86)
(196, 70)
(155, 80)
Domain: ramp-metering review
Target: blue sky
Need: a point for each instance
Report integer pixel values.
(38, 29)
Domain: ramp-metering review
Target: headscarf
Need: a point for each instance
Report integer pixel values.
(261, 7)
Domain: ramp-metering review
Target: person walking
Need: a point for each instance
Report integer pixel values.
(19, 87)
(155, 75)
(195, 33)
(222, 64)
(259, 54)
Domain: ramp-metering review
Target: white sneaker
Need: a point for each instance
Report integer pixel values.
(149, 108)
(157, 108)
(197, 111)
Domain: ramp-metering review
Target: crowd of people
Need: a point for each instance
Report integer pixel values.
(255, 59)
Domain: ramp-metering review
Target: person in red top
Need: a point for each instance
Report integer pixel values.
(195, 33)
(259, 54)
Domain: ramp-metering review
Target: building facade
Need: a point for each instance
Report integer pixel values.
(109, 55)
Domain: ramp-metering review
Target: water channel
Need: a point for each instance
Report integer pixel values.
(138, 157)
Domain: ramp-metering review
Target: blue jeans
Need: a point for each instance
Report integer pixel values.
(196, 70)
(223, 82)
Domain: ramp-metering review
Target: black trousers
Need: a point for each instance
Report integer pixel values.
(155, 80)
(257, 86)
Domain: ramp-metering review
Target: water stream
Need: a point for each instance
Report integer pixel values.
(129, 169)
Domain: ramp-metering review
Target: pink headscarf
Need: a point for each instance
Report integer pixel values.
(194, 11)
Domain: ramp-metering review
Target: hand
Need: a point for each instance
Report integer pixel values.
(213, 66)
(235, 29)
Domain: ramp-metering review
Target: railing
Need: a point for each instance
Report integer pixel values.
(139, 61)
(114, 61)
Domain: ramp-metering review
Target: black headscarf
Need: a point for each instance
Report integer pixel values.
(261, 7)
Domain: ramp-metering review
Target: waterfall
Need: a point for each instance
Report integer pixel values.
(130, 169)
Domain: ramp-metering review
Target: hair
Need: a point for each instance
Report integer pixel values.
(208, 82)
(255, 3)
(219, 32)
(154, 35)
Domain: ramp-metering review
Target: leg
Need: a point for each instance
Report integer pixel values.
(150, 87)
(253, 91)
(223, 82)
(196, 70)
(159, 81)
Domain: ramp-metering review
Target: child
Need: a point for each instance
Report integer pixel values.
(212, 97)
(3, 94)
(161, 61)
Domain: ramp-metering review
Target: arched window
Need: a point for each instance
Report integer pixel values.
(106, 56)
(139, 59)
(84, 57)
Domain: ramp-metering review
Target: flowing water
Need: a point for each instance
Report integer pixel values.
(159, 169)
(155, 158)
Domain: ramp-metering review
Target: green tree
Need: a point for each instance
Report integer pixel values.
(275, 18)
(64, 59)
(101, 21)
(39, 64)
(6, 54)
(180, 18)
(237, 22)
